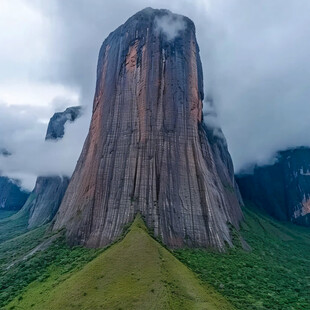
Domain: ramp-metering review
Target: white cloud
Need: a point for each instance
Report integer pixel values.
(24, 40)
(170, 25)
(23, 135)
(35, 93)
(257, 68)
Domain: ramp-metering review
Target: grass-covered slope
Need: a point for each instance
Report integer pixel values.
(12, 225)
(20, 266)
(275, 275)
(135, 273)
(138, 273)
(29, 255)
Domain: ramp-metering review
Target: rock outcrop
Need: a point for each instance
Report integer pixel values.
(56, 126)
(223, 163)
(45, 199)
(12, 196)
(148, 150)
(283, 188)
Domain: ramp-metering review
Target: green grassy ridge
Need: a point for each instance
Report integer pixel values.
(134, 273)
(275, 275)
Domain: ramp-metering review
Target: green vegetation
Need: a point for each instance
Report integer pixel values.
(4, 214)
(14, 249)
(31, 256)
(12, 226)
(16, 224)
(139, 273)
(135, 273)
(274, 275)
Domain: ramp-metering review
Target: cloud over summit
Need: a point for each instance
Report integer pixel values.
(170, 25)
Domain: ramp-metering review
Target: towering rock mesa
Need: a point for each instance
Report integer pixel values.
(148, 150)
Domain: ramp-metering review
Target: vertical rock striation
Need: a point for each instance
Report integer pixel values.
(281, 189)
(148, 150)
(45, 199)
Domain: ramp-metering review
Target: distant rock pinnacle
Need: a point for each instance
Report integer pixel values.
(45, 199)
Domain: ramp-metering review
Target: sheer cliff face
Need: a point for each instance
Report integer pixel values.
(281, 189)
(12, 196)
(45, 199)
(147, 150)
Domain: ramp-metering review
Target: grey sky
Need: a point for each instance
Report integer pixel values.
(254, 53)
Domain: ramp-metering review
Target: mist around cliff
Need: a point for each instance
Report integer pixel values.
(170, 25)
(31, 156)
(254, 54)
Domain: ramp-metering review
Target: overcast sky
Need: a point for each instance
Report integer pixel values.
(255, 56)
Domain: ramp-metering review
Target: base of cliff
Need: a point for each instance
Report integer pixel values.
(135, 273)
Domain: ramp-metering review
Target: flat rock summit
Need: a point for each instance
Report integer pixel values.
(148, 150)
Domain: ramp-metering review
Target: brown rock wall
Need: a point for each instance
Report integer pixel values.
(147, 150)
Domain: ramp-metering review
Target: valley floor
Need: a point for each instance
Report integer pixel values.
(274, 275)
(139, 273)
